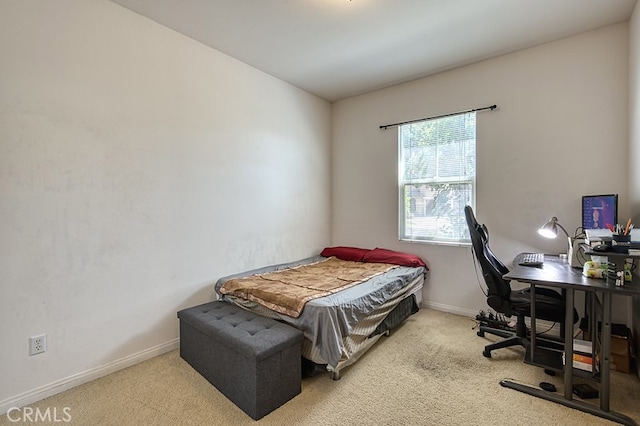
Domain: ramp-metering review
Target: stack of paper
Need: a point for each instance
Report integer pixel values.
(582, 358)
(597, 235)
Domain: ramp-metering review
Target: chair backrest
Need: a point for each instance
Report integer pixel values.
(493, 269)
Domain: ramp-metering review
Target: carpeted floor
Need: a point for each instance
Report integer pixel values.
(430, 371)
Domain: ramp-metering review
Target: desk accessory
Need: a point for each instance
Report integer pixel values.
(578, 252)
(549, 387)
(622, 242)
(550, 230)
(585, 391)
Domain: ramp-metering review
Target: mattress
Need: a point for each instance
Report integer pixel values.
(370, 329)
(336, 326)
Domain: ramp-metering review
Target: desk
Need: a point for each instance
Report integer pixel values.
(556, 272)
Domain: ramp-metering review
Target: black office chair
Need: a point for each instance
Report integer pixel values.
(550, 305)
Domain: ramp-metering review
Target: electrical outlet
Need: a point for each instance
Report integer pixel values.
(37, 344)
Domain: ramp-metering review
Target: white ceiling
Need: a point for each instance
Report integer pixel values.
(340, 48)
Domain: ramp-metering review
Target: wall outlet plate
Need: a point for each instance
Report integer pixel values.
(37, 344)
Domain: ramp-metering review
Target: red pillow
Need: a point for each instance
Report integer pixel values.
(354, 254)
(379, 255)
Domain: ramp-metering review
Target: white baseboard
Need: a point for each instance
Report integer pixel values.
(541, 325)
(451, 309)
(67, 383)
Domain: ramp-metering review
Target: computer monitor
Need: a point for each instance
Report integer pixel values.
(598, 211)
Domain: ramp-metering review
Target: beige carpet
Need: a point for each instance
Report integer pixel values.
(430, 371)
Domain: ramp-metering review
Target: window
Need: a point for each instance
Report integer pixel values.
(437, 174)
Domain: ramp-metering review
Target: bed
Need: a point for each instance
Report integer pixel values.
(339, 327)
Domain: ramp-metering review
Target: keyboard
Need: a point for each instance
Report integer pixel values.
(531, 259)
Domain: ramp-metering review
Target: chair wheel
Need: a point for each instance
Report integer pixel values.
(480, 333)
(486, 353)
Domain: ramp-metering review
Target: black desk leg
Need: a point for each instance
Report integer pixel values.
(575, 404)
(532, 341)
(568, 344)
(605, 367)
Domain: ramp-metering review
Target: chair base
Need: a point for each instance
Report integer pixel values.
(511, 338)
(520, 337)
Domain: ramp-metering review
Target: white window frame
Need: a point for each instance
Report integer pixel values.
(434, 221)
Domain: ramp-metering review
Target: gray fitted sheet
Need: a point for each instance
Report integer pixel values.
(327, 320)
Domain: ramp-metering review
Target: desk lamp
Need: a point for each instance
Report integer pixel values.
(550, 230)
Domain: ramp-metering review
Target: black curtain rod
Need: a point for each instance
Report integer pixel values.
(386, 126)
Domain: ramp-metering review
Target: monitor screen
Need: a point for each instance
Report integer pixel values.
(598, 211)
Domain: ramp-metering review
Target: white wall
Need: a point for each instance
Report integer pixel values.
(634, 146)
(137, 166)
(560, 131)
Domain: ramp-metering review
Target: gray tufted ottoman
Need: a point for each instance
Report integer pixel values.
(253, 360)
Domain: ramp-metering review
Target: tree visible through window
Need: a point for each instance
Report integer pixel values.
(437, 174)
